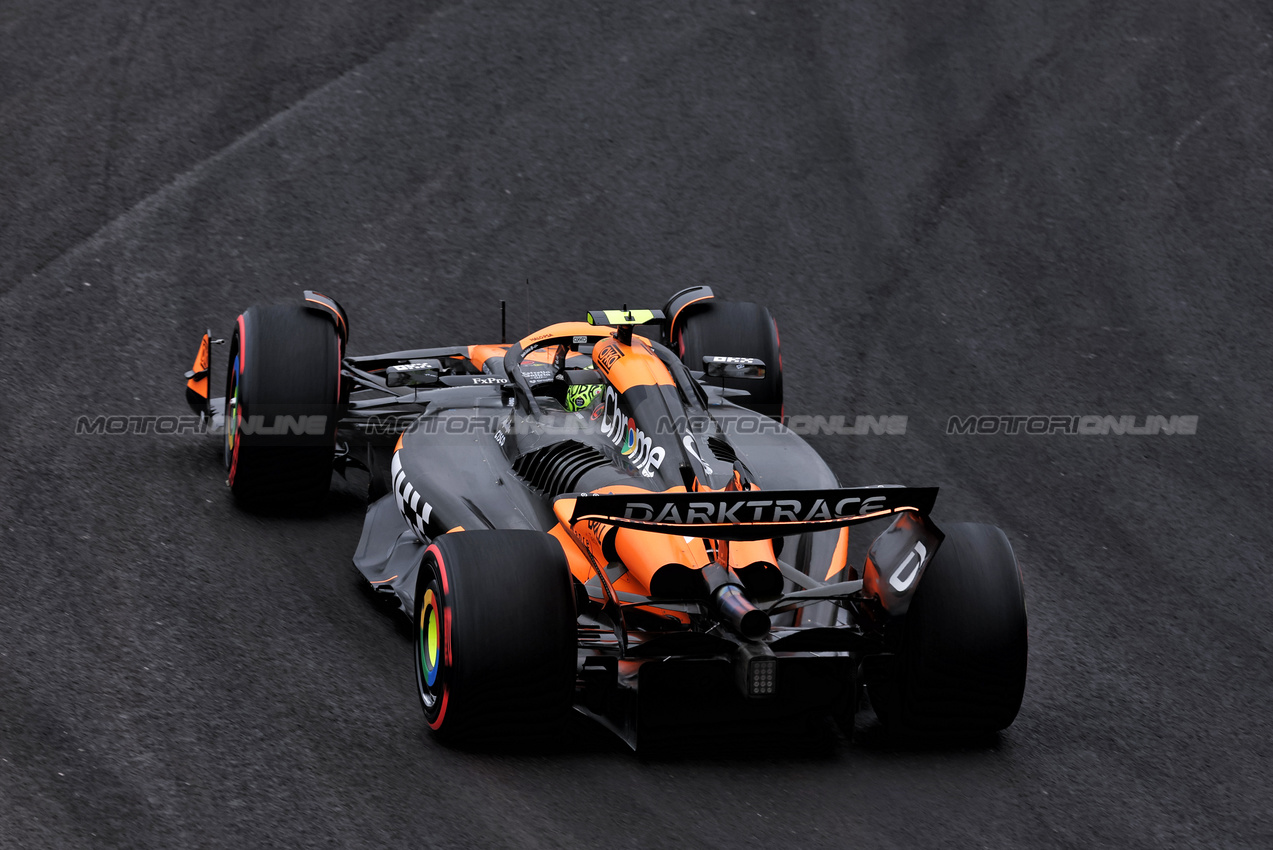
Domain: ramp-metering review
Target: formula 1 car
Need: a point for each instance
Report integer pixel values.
(619, 523)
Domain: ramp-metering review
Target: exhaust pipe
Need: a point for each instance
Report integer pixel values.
(732, 605)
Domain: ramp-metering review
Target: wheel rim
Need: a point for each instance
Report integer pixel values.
(232, 413)
(430, 648)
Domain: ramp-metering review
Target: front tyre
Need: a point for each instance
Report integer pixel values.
(282, 388)
(495, 636)
(962, 664)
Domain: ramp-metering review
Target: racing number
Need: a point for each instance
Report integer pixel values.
(904, 576)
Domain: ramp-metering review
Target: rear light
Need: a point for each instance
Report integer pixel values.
(762, 677)
(756, 669)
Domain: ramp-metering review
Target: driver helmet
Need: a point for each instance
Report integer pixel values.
(581, 396)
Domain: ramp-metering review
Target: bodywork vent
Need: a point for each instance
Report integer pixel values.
(557, 469)
(723, 450)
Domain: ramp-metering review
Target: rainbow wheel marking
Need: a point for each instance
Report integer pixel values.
(430, 643)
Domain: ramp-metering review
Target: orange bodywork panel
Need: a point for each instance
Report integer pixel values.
(649, 555)
(644, 553)
(580, 566)
(479, 354)
(543, 355)
(589, 538)
(627, 583)
(565, 329)
(747, 553)
(632, 365)
(201, 362)
(840, 557)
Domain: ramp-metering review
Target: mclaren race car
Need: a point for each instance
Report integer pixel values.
(609, 516)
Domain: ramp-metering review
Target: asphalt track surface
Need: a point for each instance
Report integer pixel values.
(952, 208)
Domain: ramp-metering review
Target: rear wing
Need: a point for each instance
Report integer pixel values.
(667, 318)
(749, 514)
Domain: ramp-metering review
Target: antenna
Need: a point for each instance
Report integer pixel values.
(503, 325)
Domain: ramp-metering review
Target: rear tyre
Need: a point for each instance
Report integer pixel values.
(495, 637)
(962, 665)
(736, 329)
(281, 408)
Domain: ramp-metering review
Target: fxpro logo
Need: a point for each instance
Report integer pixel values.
(631, 441)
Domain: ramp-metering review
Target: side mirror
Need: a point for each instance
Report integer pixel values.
(721, 366)
(424, 373)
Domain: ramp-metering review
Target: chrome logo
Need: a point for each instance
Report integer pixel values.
(630, 440)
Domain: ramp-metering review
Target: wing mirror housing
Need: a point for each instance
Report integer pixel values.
(723, 366)
(423, 373)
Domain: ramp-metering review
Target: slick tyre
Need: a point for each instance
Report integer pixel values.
(495, 637)
(737, 329)
(282, 388)
(962, 665)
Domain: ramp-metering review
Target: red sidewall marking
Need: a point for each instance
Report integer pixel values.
(238, 408)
